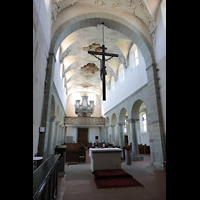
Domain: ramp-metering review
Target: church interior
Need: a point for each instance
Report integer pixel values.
(99, 97)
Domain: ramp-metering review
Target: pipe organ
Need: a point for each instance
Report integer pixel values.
(84, 109)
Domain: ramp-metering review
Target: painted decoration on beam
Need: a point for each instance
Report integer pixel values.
(84, 121)
(90, 68)
(93, 47)
(85, 85)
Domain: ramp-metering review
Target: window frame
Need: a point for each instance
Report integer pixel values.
(136, 57)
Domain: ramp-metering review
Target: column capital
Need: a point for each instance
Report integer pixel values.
(52, 55)
(57, 122)
(52, 118)
(131, 120)
(120, 123)
(112, 125)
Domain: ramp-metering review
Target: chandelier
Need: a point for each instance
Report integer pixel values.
(84, 109)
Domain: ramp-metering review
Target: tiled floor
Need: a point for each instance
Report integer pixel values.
(155, 186)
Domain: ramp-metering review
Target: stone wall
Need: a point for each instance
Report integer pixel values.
(40, 55)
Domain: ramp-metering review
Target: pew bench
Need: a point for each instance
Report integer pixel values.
(73, 151)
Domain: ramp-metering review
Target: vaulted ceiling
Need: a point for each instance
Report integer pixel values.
(80, 69)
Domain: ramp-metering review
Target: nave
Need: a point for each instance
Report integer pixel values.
(153, 179)
(68, 92)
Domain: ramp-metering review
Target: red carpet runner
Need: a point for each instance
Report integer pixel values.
(114, 179)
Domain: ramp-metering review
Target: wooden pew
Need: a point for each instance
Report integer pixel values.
(73, 151)
(143, 149)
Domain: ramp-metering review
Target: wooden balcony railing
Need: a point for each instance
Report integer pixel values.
(45, 179)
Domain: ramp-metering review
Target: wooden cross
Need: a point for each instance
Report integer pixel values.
(102, 63)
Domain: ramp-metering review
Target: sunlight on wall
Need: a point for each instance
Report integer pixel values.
(76, 96)
(121, 73)
(163, 11)
(112, 83)
(47, 4)
(92, 96)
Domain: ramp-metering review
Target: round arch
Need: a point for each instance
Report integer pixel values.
(57, 113)
(142, 134)
(135, 109)
(61, 118)
(122, 115)
(113, 119)
(107, 121)
(112, 21)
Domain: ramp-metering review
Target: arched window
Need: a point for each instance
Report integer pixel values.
(62, 68)
(163, 12)
(121, 73)
(136, 57)
(125, 126)
(143, 122)
(112, 83)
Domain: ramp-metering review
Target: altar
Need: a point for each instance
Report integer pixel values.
(105, 158)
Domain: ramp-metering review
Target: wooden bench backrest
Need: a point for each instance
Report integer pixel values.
(72, 146)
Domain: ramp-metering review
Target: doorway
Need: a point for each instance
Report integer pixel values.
(126, 139)
(83, 136)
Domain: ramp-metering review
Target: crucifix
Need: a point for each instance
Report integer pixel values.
(102, 62)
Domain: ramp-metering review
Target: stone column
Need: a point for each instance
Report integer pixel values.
(133, 133)
(121, 133)
(66, 134)
(103, 133)
(55, 136)
(106, 136)
(155, 119)
(51, 130)
(99, 140)
(116, 136)
(112, 127)
(109, 134)
(59, 135)
(63, 134)
(46, 112)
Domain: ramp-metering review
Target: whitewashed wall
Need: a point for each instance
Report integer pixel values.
(92, 132)
(134, 78)
(41, 45)
(72, 131)
(43, 8)
(59, 80)
(70, 104)
(160, 55)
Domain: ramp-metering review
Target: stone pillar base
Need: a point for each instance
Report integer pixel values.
(136, 157)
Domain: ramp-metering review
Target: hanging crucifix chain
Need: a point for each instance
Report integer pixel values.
(102, 62)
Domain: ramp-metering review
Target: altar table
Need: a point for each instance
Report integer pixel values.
(105, 158)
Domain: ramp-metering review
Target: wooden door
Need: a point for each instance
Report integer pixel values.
(83, 136)
(126, 139)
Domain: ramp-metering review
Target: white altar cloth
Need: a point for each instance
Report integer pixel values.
(105, 158)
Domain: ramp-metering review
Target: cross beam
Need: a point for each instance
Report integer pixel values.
(102, 66)
(102, 62)
(106, 54)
